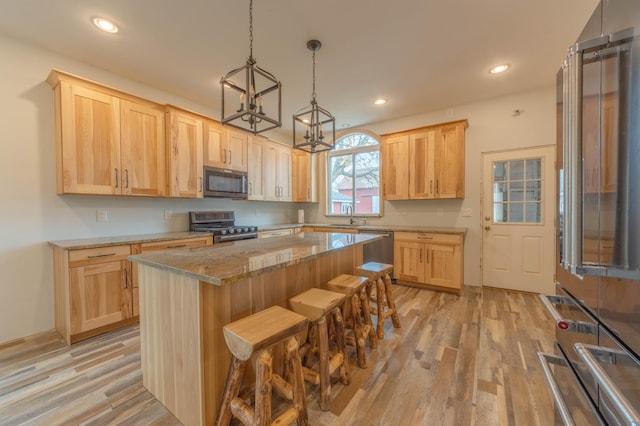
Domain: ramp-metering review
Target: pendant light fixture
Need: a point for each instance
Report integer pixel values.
(249, 94)
(312, 124)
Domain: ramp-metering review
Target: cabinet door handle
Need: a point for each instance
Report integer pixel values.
(230, 158)
(177, 246)
(427, 255)
(250, 188)
(200, 180)
(116, 177)
(126, 278)
(126, 178)
(425, 238)
(431, 186)
(95, 256)
(437, 186)
(420, 255)
(224, 157)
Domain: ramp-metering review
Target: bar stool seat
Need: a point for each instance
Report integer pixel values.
(253, 337)
(378, 275)
(356, 312)
(321, 307)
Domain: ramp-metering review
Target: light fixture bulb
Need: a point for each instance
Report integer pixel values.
(499, 69)
(380, 101)
(105, 25)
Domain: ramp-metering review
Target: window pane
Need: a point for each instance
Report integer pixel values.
(340, 178)
(499, 192)
(354, 140)
(516, 212)
(499, 171)
(500, 213)
(516, 170)
(534, 190)
(367, 182)
(533, 213)
(534, 168)
(516, 191)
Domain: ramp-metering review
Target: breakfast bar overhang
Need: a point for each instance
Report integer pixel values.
(188, 295)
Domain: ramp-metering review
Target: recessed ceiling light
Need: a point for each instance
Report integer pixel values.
(499, 68)
(105, 25)
(380, 101)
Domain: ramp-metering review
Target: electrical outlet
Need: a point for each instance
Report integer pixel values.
(467, 212)
(168, 214)
(440, 212)
(102, 216)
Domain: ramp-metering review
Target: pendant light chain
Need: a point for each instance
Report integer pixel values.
(313, 95)
(251, 29)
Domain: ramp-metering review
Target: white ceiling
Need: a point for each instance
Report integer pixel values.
(422, 55)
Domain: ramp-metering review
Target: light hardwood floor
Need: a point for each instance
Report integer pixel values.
(457, 360)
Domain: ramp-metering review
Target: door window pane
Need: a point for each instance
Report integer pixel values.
(517, 191)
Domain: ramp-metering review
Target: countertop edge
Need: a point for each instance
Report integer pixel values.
(97, 242)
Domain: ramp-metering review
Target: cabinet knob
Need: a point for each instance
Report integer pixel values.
(487, 218)
(486, 228)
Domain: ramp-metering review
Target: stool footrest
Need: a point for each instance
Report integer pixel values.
(242, 411)
(287, 418)
(281, 386)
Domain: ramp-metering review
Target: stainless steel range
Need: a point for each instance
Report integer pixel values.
(222, 225)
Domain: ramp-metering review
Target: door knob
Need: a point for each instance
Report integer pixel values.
(486, 228)
(487, 218)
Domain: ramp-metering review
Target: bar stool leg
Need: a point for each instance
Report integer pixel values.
(231, 390)
(380, 302)
(338, 322)
(325, 378)
(365, 295)
(391, 301)
(263, 389)
(297, 381)
(358, 330)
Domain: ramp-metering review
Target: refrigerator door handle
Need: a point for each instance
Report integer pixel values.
(606, 385)
(563, 323)
(561, 404)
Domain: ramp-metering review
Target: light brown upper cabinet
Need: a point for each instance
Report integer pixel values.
(424, 163)
(255, 172)
(301, 176)
(277, 172)
(184, 145)
(107, 142)
(225, 148)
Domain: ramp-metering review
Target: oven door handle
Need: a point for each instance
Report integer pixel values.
(561, 404)
(563, 323)
(622, 405)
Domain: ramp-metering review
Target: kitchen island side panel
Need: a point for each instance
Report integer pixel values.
(170, 341)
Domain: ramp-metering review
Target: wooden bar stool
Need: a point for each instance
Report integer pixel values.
(356, 312)
(378, 274)
(254, 336)
(319, 306)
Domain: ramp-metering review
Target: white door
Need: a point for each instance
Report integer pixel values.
(518, 216)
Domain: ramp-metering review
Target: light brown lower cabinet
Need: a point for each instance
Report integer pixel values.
(429, 259)
(96, 289)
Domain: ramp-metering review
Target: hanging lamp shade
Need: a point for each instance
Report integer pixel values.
(251, 96)
(314, 128)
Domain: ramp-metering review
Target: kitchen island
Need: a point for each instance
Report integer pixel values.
(188, 295)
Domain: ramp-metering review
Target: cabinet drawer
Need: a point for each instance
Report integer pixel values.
(174, 244)
(338, 230)
(98, 255)
(275, 233)
(426, 237)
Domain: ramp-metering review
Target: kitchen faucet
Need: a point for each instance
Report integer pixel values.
(350, 213)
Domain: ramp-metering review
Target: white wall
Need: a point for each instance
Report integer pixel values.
(32, 213)
(493, 126)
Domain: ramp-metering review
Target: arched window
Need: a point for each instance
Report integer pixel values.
(353, 176)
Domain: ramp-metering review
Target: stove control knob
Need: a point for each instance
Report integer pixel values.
(245, 229)
(231, 231)
(253, 229)
(224, 231)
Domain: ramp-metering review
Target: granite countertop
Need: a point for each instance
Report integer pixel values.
(225, 263)
(394, 228)
(86, 243)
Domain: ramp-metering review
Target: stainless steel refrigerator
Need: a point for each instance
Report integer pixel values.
(595, 372)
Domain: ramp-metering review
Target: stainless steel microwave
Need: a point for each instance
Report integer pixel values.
(225, 183)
